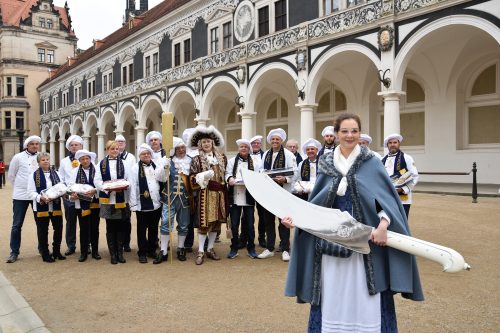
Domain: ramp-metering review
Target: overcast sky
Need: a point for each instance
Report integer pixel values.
(96, 19)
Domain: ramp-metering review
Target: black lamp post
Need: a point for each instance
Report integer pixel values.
(20, 133)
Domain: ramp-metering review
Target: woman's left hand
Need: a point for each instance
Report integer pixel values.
(287, 222)
(379, 235)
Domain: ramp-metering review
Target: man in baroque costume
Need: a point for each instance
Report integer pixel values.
(207, 179)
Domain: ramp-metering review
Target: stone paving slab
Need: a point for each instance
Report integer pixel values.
(16, 315)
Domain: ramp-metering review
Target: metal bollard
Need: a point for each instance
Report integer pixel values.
(474, 183)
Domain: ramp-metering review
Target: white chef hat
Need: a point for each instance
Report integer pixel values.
(84, 152)
(366, 137)
(276, 132)
(185, 135)
(177, 142)
(255, 138)
(393, 136)
(311, 143)
(144, 147)
(33, 138)
(153, 135)
(243, 142)
(120, 138)
(328, 130)
(73, 138)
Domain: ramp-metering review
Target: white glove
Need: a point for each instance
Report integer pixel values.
(297, 188)
(166, 160)
(208, 174)
(203, 177)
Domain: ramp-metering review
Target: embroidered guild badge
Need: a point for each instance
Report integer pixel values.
(75, 163)
(146, 194)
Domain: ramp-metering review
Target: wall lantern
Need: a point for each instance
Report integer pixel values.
(301, 59)
(241, 73)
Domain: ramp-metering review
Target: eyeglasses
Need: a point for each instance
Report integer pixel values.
(346, 131)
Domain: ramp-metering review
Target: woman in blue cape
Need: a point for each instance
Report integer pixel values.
(348, 291)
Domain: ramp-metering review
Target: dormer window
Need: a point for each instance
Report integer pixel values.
(49, 24)
(41, 21)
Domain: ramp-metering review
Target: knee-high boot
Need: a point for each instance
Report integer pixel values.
(110, 237)
(120, 237)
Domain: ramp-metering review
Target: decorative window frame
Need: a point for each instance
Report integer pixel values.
(105, 80)
(150, 53)
(65, 98)
(182, 33)
(92, 83)
(77, 93)
(55, 102)
(126, 65)
(217, 19)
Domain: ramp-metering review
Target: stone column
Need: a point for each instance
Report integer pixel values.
(248, 126)
(306, 121)
(62, 147)
(86, 142)
(100, 146)
(44, 147)
(140, 136)
(202, 121)
(52, 145)
(391, 111)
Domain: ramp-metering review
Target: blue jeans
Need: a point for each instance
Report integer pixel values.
(247, 225)
(176, 209)
(71, 215)
(19, 208)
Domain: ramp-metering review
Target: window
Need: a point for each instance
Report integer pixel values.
(330, 6)
(155, 63)
(352, 3)
(50, 56)
(227, 35)
(54, 103)
(19, 120)
(9, 89)
(8, 120)
(147, 65)
(78, 94)
(49, 23)
(127, 73)
(45, 105)
(107, 82)
(280, 15)
(187, 50)
(263, 21)
(65, 99)
(483, 108)
(177, 54)
(214, 40)
(332, 101)
(41, 21)
(91, 88)
(41, 55)
(20, 86)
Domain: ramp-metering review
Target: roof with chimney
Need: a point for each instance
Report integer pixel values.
(136, 24)
(14, 13)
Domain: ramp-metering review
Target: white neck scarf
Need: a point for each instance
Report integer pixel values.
(343, 165)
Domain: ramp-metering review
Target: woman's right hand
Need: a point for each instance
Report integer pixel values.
(287, 222)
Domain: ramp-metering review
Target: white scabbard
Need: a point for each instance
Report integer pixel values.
(450, 259)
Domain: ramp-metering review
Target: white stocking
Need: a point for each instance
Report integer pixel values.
(211, 239)
(164, 239)
(201, 242)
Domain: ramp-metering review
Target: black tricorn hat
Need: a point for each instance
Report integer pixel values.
(203, 132)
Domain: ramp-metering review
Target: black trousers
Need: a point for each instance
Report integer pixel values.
(284, 233)
(42, 232)
(71, 216)
(127, 231)
(247, 224)
(407, 209)
(261, 226)
(89, 230)
(147, 223)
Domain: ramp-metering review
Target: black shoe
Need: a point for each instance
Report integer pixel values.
(160, 258)
(143, 259)
(48, 258)
(120, 257)
(126, 248)
(58, 256)
(181, 254)
(83, 257)
(69, 252)
(96, 256)
(114, 259)
(188, 249)
(12, 259)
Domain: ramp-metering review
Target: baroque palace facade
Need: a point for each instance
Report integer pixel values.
(428, 69)
(35, 38)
